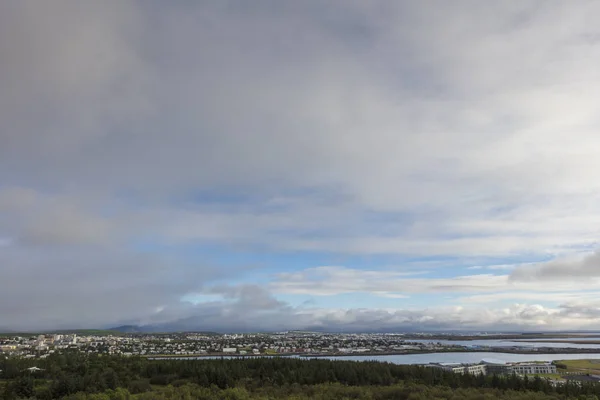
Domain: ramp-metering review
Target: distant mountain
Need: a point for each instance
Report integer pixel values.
(162, 328)
(128, 329)
(98, 332)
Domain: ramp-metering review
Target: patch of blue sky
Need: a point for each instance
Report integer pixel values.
(225, 200)
(270, 260)
(263, 200)
(199, 298)
(361, 300)
(256, 266)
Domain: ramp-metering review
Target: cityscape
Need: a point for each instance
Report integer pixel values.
(300, 200)
(313, 344)
(204, 345)
(193, 344)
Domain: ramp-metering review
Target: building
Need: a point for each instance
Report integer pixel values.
(490, 367)
(474, 369)
(496, 367)
(534, 368)
(528, 368)
(229, 350)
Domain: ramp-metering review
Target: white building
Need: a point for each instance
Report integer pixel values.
(534, 368)
(486, 367)
(474, 369)
(229, 350)
(526, 368)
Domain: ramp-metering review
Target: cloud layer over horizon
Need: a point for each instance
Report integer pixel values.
(286, 165)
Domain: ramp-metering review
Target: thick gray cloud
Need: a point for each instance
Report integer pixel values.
(188, 97)
(411, 129)
(62, 286)
(582, 268)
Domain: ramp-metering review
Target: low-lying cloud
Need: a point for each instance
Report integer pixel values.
(580, 268)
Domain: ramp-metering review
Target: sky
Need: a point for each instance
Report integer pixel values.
(338, 165)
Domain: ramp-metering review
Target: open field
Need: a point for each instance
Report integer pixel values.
(581, 366)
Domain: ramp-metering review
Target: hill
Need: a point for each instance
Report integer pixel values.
(82, 332)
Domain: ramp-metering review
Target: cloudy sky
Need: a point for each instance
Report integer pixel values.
(342, 165)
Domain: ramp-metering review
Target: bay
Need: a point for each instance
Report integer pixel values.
(426, 358)
(534, 343)
(465, 357)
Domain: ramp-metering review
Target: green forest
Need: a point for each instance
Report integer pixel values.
(79, 376)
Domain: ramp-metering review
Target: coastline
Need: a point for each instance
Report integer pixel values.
(212, 355)
(573, 341)
(568, 350)
(561, 337)
(548, 350)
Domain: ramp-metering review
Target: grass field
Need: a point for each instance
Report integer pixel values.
(583, 366)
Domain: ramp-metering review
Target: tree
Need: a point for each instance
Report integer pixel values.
(24, 387)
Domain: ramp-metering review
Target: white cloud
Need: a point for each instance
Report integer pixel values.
(499, 267)
(528, 296)
(336, 280)
(235, 316)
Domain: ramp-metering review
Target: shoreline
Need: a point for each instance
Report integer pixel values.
(206, 355)
(573, 341)
(568, 350)
(508, 337)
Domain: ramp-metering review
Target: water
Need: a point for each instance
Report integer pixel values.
(532, 343)
(460, 357)
(583, 339)
(455, 357)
